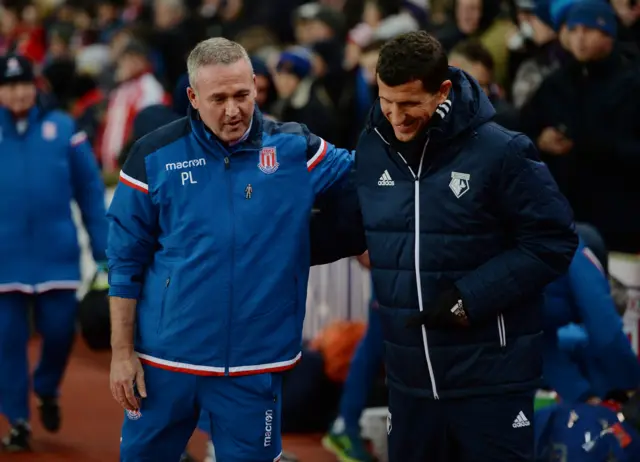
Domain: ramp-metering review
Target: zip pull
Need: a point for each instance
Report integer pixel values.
(227, 163)
(167, 283)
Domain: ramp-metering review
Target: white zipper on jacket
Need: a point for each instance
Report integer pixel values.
(502, 331)
(416, 250)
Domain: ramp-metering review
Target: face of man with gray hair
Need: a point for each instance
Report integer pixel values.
(222, 87)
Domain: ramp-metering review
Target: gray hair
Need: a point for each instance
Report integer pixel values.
(217, 50)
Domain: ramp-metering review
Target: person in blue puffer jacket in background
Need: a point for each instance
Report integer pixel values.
(46, 164)
(587, 356)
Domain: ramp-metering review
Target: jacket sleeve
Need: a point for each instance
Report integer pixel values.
(563, 374)
(592, 297)
(336, 224)
(326, 164)
(538, 221)
(133, 228)
(89, 193)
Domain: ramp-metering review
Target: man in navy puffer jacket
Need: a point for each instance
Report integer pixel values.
(46, 163)
(464, 227)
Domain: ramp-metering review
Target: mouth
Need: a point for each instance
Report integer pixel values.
(406, 128)
(234, 125)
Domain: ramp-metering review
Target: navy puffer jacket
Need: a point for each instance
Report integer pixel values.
(491, 223)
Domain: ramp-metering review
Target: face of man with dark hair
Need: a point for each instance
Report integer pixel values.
(409, 107)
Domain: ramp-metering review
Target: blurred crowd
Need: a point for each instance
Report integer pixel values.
(564, 72)
(570, 82)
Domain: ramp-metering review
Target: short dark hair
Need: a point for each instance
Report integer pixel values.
(474, 51)
(413, 56)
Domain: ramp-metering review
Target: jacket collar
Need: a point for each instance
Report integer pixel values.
(252, 141)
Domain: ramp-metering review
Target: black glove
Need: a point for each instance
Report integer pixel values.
(448, 312)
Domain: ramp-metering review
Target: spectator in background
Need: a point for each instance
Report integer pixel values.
(479, 19)
(265, 87)
(137, 88)
(381, 20)
(59, 43)
(39, 245)
(473, 58)
(628, 13)
(543, 55)
(374, 14)
(314, 23)
(175, 32)
(300, 98)
(358, 94)
(559, 10)
(585, 120)
(107, 19)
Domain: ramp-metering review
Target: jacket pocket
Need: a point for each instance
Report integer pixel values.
(163, 304)
(502, 331)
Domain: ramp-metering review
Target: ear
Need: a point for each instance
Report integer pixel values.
(255, 87)
(443, 94)
(193, 99)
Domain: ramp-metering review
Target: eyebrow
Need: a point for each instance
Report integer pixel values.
(406, 101)
(223, 95)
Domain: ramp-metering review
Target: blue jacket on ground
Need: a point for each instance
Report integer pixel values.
(213, 242)
(601, 360)
(491, 223)
(44, 168)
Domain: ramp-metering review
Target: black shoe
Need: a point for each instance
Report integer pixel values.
(49, 414)
(186, 458)
(17, 440)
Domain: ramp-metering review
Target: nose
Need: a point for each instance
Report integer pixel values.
(231, 109)
(394, 115)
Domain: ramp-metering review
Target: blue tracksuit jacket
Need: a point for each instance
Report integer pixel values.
(43, 170)
(480, 212)
(213, 241)
(605, 361)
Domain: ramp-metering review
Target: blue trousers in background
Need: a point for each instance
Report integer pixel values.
(364, 368)
(55, 321)
(241, 414)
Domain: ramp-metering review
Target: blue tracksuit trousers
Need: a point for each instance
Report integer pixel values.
(365, 365)
(242, 415)
(55, 314)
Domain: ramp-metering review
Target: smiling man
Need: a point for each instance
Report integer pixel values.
(465, 227)
(209, 258)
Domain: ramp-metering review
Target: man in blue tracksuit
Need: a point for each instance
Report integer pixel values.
(46, 164)
(464, 227)
(208, 264)
(586, 352)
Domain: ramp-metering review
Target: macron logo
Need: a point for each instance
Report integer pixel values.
(385, 179)
(520, 421)
(185, 164)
